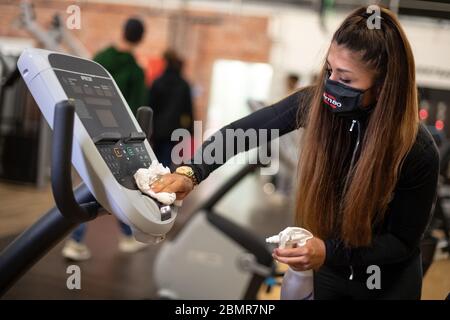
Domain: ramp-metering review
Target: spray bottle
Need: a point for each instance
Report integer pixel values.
(297, 285)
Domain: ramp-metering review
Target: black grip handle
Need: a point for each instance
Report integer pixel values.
(37, 240)
(107, 137)
(61, 165)
(144, 116)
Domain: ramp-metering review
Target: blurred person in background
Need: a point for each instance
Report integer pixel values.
(171, 100)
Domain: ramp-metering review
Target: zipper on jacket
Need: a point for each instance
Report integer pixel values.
(353, 124)
(355, 150)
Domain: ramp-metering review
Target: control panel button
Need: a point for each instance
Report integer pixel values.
(118, 152)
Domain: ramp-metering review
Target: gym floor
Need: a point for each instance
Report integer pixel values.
(110, 274)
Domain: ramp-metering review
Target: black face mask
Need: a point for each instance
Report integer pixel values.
(345, 101)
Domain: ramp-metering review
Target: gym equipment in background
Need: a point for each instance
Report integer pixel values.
(212, 257)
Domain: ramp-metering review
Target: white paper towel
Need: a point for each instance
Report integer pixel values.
(145, 177)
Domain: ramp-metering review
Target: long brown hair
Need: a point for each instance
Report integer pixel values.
(327, 204)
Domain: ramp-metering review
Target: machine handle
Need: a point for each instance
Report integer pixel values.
(135, 137)
(61, 173)
(144, 116)
(107, 137)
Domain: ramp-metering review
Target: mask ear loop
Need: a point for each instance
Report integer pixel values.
(361, 98)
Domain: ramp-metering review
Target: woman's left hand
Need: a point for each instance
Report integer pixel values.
(309, 256)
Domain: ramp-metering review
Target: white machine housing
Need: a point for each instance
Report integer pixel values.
(40, 70)
(201, 263)
(206, 261)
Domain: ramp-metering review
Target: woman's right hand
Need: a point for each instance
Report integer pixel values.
(173, 182)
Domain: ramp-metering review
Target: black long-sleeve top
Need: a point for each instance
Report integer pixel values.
(409, 211)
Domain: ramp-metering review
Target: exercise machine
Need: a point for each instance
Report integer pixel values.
(80, 101)
(212, 257)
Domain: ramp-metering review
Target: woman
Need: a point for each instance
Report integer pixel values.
(367, 172)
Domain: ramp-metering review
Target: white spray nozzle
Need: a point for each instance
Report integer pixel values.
(290, 236)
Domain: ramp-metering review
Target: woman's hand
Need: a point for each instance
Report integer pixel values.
(173, 182)
(309, 256)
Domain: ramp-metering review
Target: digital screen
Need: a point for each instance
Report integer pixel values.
(97, 104)
(106, 118)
